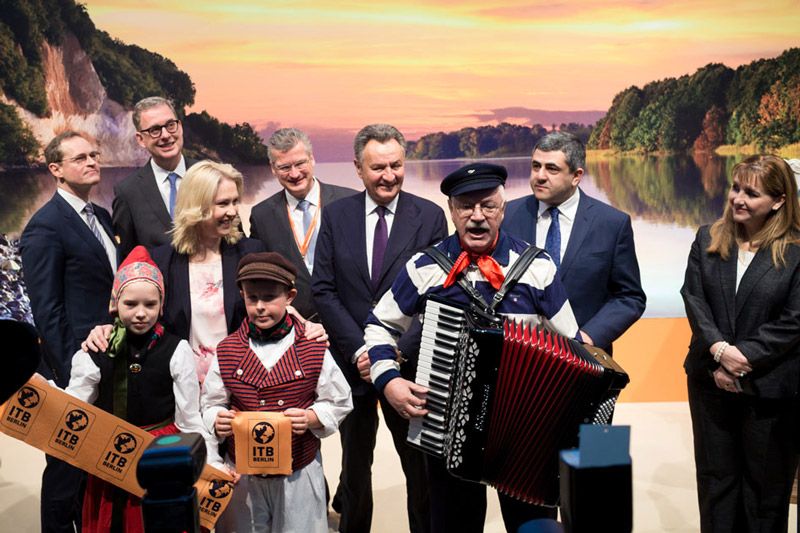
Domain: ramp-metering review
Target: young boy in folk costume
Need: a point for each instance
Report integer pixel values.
(269, 365)
(147, 377)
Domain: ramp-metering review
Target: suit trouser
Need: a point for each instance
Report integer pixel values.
(353, 497)
(62, 496)
(745, 455)
(458, 505)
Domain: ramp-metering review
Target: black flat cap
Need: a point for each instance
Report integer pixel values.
(474, 177)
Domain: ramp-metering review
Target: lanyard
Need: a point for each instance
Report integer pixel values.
(303, 247)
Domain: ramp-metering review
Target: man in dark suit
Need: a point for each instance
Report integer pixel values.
(591, 242)
(364, 242)
(144, 201)
(288, 221)
(68, 260)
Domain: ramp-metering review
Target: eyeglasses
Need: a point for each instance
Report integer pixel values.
(155, 131)
(489, 209)
(81, 159)
(299, 165)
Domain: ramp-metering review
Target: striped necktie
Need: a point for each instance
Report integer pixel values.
(92, 219)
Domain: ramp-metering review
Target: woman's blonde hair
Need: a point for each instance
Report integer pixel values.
(782, 226)
(195, 203)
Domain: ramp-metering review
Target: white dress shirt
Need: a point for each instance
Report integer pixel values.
(568, 209)
(77, 204)
(162, 178)
(297, 219)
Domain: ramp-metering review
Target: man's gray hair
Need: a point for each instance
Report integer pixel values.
(148, 103)
(285, 139)
(562, 141)
(381, 133)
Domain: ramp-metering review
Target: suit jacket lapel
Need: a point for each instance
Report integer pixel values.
(726, 271)
(528, 229)
(580, 228)
(152, 195)
(356, 239)
(404, 227)
(230, 262)
(74, 221)
(282, 227)
(761, 264)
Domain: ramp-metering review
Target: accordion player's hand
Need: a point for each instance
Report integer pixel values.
(407, 398)
(363, 365)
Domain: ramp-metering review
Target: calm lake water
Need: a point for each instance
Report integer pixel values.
(667, 198)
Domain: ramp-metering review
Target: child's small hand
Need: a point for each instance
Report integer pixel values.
(222, 424)
(234, 474)
(302, 420)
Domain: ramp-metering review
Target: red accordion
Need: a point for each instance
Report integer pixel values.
(504, 401)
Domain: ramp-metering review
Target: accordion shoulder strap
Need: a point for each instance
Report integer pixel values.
(514, 273)
(447, 264)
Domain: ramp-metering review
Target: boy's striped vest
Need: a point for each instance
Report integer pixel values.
(292, 382)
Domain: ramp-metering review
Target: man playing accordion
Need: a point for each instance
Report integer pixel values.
(481, 257)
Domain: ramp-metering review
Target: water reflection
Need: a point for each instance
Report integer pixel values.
(667, 198)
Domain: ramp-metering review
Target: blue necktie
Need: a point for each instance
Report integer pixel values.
(305, 207)
(173, 192)
(552, 243)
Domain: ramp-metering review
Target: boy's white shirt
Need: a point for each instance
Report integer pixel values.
(333, 398)
(85, 379)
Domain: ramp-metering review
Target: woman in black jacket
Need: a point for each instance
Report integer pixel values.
(742, 297)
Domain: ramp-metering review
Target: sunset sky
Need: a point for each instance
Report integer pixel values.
(437, 65)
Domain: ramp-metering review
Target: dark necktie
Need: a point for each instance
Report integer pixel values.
(92, 219)
(173, 192)
(379, 244)
(552, 243)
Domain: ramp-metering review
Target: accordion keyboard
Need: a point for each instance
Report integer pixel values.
(440, 332)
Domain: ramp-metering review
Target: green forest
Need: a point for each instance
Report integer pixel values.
(503, 140)
(128, 73)
(756, 104)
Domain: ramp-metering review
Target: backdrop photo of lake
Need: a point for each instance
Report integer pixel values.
(668, 197)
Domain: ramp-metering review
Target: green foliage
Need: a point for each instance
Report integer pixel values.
(239, 143)
(756, 103)
(18, 146)
(503, 140)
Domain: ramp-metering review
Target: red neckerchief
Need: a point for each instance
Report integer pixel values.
(486, 264)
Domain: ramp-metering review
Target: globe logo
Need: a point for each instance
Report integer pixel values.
(28, 397)
(263, 432)
(125, 443)
(77, 420)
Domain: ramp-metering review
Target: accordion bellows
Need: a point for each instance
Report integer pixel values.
(513, 398)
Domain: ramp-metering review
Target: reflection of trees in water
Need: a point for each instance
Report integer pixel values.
(680, 189)
(517, 167)
(22, 195)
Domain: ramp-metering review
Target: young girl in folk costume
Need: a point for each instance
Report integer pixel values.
(269, 364)
(146, 376)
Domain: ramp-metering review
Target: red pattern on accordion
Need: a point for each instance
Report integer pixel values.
(542, 382)
(256, 384)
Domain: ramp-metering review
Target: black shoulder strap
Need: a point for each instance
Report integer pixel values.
(514, 273)
(447, 264)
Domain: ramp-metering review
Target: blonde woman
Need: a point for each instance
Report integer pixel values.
(742, 297)
(202, 301)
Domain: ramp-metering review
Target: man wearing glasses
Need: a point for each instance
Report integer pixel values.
(288, 222)
(144, 202)
(68, 260)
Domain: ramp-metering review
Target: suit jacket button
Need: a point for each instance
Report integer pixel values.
(374, 303)
(280, 402)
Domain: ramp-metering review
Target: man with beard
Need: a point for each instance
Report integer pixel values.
(144, 202)
(482, 255)
(364, 242)
(68, 260)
